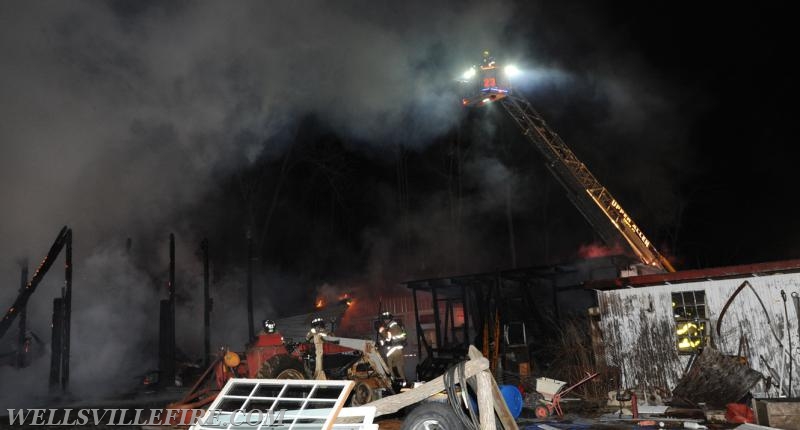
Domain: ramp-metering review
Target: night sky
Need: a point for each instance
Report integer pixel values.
(333, 134)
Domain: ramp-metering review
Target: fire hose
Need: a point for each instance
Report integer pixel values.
(455, 375)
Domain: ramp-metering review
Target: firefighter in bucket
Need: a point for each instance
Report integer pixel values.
(392, 338)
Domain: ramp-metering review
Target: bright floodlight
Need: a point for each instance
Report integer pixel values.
(511, 70)
(469, 73)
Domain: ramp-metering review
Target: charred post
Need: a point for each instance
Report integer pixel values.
(206, 305)
(24, 296)
(67, 312)
(23, 317)
(165, 365)
(250, 329)
(171, 313)
(56, 344)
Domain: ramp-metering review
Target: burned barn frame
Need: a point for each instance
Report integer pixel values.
(508, 314)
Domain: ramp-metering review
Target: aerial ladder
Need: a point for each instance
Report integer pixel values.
(603, 212)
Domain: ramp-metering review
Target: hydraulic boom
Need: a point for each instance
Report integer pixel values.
(593, 200)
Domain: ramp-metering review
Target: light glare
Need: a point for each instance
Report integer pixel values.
(512, 70)
(469, 73)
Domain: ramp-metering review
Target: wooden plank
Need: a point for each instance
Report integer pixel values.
(392, 404)
(785, 422)
(339, 404)
(784, 414)
(485, 400)
(319, 347)
(500, 406)
(783, 408)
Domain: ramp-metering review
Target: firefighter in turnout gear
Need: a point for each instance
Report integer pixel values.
(270, 335)
(317, 327)
(392, 338)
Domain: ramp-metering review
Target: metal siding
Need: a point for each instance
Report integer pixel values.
(639, 338)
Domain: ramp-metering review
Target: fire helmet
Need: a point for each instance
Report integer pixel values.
(269, 326)
(318, 322)
(386, 315)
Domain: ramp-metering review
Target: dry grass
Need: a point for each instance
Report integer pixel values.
(573, 358)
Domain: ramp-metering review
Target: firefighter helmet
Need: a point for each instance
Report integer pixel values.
(269, 326)
(318, 322)
(386, 315)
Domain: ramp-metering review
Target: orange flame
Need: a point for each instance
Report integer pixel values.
(595, 250)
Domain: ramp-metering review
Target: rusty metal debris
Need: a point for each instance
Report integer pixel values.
(715, 379)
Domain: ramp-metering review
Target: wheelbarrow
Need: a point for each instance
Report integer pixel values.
(551, 392)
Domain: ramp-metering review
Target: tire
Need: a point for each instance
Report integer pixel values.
(281, 367)
(361, 395)
(432, 416)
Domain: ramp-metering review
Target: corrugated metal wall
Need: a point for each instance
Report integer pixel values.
(639, 328)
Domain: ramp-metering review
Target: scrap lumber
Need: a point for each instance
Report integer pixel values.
(716, 379)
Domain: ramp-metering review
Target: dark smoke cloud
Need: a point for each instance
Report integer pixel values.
(118, 115)
(125, 119)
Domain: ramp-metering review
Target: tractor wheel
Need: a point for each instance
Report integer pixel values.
(281, 367)
(432, 416)
(361, 395)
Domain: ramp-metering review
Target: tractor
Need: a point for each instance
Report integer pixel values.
(269, 356)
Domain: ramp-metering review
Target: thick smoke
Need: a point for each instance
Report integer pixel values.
(117, 115)
(121, 118)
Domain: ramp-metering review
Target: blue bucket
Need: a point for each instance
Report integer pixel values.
(511, 395)
(513, 399)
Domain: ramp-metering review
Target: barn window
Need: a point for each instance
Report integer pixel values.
(689, 308)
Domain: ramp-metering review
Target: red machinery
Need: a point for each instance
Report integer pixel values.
(269, 357)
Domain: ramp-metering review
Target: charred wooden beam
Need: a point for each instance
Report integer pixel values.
(23, 321)
(67, 311)
(25, 295)
(166, 363)
(171, 289)
(56, 338)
